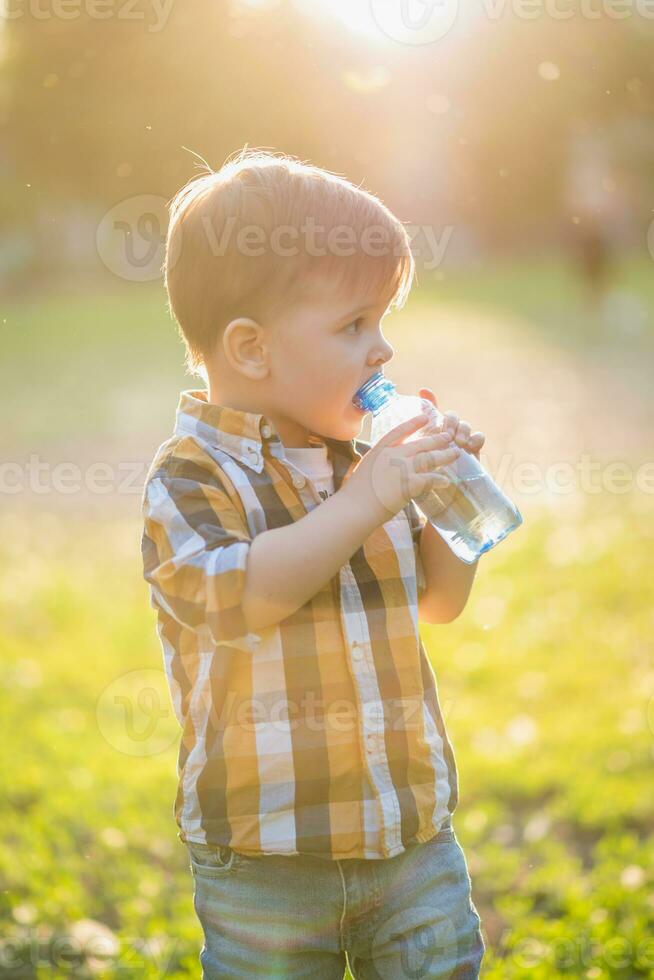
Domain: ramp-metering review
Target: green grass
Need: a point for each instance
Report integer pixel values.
(89, 364)
(546, 681)
(549, 298)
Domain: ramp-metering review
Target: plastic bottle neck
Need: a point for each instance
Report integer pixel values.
(375, 394)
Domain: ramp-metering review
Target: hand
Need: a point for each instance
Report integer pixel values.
(393, 472)
(460, 429)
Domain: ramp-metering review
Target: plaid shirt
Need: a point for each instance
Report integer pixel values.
(322, 734)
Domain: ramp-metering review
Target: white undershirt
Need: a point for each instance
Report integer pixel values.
(315, 464)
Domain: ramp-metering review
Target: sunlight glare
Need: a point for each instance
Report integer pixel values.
(354, 14)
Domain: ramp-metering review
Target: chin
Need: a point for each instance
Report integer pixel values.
(350, 431)
(342, 432)
(345, 428)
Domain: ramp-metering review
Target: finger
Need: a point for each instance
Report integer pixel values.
(434, 425)
(434, 481)
(476, 441)
(463, 434)
(428, 405)
(435, 440)
(402, 430)
(432, 460)
(450, 422)
(439, 480)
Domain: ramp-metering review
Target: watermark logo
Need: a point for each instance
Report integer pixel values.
(415, 942)
(131, 237)
(134, 713)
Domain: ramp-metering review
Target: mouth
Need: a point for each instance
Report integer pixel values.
(363, 411)
(376, 377)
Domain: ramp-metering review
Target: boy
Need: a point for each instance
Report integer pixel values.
(289, 567)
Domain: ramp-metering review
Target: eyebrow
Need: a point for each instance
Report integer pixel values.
(347, 317)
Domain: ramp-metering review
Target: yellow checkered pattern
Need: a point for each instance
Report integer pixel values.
(320, 735)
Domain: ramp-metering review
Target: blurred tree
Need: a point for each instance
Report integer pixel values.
(473, 131)
(539, 85)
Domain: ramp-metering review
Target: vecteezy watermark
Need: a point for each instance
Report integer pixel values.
(134, 713)
(316, 240)
(131, 239)
(584, 475)
(316, 714)
(529, 478)
(394, 478)
(584, 953)
(85, 944)
(153, 13)
(67, 477)
(415, 22)
(567, 9)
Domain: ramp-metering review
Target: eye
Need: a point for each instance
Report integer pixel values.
(355, 323)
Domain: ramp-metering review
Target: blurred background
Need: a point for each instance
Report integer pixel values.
(515, 138)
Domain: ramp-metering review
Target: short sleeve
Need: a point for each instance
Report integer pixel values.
(417, 521)
(195, 548)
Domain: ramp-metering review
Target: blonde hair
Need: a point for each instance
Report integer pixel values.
(234, 248)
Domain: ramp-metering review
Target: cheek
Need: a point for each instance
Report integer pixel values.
(292, 358)
(324, 364)
(310, 365)
(340, 360)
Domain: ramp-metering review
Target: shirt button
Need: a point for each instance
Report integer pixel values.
(357, 652)
(370, 740)
(266, 431)
(298, 481)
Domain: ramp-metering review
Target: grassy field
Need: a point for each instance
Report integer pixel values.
(546, 680)
(547, 684)
(551, 300)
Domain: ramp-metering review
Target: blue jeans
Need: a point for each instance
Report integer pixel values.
(295, 917)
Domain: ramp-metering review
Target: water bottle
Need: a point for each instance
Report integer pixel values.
(472, 514)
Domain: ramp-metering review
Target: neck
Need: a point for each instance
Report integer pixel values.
(292, 433)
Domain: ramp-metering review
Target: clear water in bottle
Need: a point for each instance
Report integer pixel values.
(472, 514)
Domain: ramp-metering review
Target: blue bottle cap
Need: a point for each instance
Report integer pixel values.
(373, 393)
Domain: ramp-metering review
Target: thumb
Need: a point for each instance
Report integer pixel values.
(428, 395)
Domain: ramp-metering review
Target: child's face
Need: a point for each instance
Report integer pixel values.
(320, 353)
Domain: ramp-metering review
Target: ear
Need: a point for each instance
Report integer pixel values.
(244, 344)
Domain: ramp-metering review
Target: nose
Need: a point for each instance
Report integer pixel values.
(381, 353)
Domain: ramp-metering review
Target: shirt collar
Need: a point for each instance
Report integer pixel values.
(247, 436)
